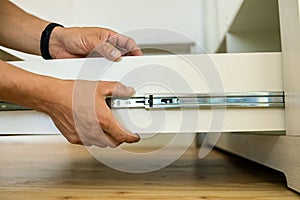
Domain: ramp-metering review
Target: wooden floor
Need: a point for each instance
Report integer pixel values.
(35, 170)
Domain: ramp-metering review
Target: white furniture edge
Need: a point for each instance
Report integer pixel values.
(249, 75)
(277, 152)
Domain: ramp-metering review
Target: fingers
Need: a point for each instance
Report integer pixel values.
(108, 51)
(117, 45)
(112, 51)
(99, 138)
(115, 89)
(128, 44)
(112, 134)
(81, 42)
(117, 133)
(82, 126)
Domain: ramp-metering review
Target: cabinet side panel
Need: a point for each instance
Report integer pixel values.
(290, 31)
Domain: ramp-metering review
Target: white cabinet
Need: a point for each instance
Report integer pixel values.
(278, 152)
(290, 34)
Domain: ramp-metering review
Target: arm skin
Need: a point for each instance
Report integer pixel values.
(22, 31)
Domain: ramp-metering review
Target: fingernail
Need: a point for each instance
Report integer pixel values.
(114, 53)
(137, 135)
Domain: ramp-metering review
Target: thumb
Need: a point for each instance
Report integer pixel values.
(121, 90)
(115, 89)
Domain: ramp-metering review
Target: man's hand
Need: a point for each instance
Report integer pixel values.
(80, 42)
(83, 117)
(77, 107)
(90, 124)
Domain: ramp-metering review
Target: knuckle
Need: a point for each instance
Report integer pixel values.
(131, 40)
(120, 138)
(103, 47)
(131, 43)
(108, 88)
(114, 84)
(74, 140)
(105, 123)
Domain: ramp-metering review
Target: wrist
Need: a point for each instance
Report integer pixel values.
(25, 88)
(39, 93)
(55, 42)
(49, 39)
(52, 99)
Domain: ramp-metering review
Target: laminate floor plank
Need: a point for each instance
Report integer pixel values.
(55, 171)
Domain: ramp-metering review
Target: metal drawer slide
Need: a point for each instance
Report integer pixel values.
(4, 106)
(202, 101)
(229, 100)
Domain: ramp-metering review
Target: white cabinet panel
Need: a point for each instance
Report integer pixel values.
(217, 16)
(290, 33)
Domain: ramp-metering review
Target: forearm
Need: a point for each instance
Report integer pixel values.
(20, 30)
(25, 88)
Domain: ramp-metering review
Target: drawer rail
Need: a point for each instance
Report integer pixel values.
(202, 101)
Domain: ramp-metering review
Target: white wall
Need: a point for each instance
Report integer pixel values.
(181, 19)
(55, 10)
(119, 14)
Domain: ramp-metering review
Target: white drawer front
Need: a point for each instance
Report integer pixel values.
(169, 74)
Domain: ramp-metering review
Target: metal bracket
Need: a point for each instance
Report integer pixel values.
(4, 106)
(202, 101)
